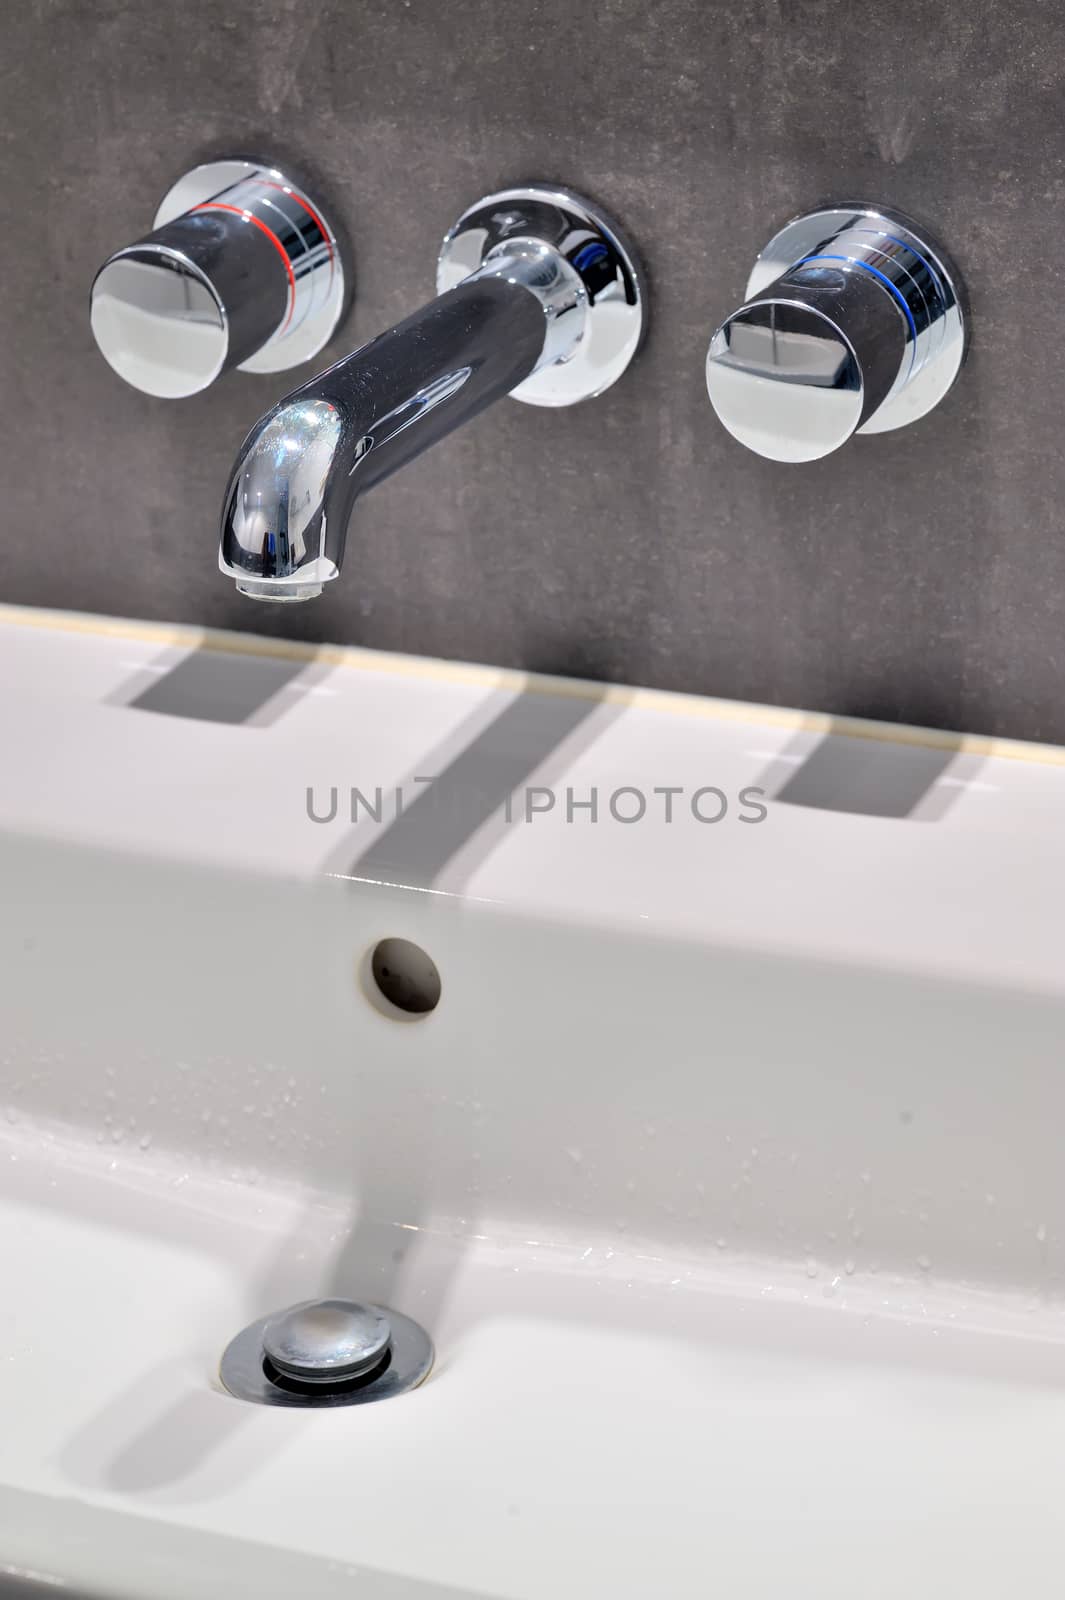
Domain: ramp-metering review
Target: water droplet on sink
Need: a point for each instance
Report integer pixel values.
(848, 1266)
(1041, 1233)
(811, 1267)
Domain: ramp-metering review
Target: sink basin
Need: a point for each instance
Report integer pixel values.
(725, 1174)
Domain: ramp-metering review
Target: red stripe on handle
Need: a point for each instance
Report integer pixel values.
(322, 229)
(239, 211)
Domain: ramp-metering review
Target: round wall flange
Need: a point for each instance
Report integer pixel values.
(592, 247)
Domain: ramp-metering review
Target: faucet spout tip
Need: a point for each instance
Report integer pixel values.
(278, 590)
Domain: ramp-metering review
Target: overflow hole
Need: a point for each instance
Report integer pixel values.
(404, 976)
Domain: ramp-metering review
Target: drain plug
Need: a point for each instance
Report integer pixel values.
(325, 1341)
(327, 1353)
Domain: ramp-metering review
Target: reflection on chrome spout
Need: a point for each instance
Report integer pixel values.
(276, 511)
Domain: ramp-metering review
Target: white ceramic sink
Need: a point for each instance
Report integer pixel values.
(726, 1174)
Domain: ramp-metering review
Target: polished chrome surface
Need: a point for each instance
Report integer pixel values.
(321, 1341)
(241, 269)
(327, 1353)
(159, 322)
(853, 323)
(533, 288)
(283, 518)
(601, 264)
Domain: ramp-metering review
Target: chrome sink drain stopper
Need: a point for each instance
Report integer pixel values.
(327, 1353)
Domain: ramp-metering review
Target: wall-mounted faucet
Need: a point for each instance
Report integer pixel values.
(539, 297)
(853, 323)
(241, 270)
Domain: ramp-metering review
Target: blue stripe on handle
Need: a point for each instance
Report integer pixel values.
(880, 276)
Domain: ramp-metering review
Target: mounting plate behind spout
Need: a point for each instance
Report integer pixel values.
(597, 252)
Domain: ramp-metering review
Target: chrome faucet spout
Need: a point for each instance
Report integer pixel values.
(302, 467)
(538, 300)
